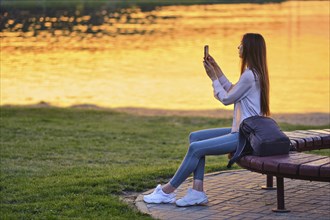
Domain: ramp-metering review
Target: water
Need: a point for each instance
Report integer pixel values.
(154, 59)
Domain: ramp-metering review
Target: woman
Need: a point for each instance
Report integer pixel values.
(250, 96)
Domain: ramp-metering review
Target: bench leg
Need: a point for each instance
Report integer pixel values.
(269, 185)
(280, 195)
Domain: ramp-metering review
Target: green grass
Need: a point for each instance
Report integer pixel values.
(73, 163)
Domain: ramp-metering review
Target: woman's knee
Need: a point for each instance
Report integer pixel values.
(193, 137)
(193, 148)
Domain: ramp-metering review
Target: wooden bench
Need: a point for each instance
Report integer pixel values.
(295, 165)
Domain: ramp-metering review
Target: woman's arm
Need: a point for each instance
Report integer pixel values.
(237, 92)
(227, 85)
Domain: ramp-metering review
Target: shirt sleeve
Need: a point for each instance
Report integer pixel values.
(238, 92)
(225, 82)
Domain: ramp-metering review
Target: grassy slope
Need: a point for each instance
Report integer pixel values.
(64, 163)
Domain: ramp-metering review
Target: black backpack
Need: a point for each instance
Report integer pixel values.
(260, 136)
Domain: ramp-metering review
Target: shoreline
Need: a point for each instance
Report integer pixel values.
(313, 118)
(147, 5)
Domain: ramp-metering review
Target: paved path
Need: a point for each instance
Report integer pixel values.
(237, 195)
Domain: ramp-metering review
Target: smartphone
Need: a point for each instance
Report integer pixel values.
(206, 51)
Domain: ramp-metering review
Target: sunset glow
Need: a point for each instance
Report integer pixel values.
(155, 61)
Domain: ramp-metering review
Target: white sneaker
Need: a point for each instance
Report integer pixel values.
(158, 196)
(193, 197)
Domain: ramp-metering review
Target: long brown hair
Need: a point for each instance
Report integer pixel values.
(254, 57)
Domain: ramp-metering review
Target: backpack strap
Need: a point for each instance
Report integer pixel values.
(242, 141)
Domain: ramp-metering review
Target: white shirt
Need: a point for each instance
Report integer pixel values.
(245, 95)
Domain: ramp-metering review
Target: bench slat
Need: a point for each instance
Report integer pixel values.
(317, 140)
(291, 166)
(301, 143)
(325, 170)
(287, 164)
(270, 164)
(294, 144)
(313, 168)
(324, 131)
(308, 140)
(318, 132)
(324, 135)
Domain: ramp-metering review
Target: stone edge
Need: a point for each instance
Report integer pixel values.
(141, 205)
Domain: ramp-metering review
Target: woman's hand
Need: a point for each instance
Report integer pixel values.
(209, 70)
(214, 64)
(210, 59)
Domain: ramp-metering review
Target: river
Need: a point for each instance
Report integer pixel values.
(153, 59)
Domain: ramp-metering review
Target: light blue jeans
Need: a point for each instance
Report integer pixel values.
(214, 141)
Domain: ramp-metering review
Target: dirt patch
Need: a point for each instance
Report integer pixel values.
(129, 198)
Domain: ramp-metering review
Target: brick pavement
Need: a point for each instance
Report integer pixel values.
(237, 195)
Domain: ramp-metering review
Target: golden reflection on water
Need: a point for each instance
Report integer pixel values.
(157, 63)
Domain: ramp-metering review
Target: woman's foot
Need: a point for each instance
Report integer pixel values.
(158, 196)
(193, 197)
